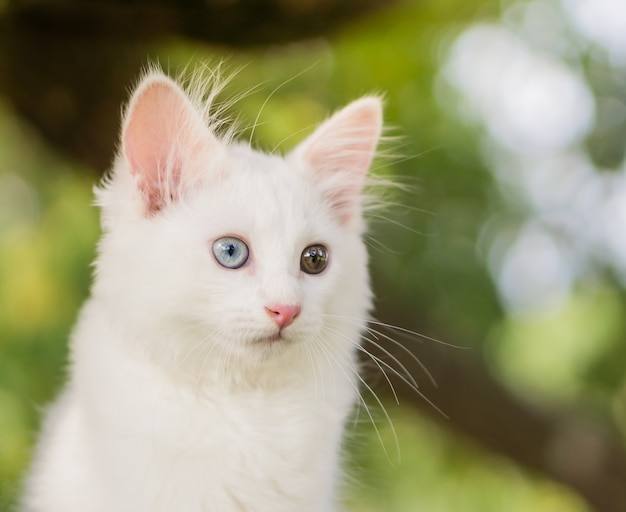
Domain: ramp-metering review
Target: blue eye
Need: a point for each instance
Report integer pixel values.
(230, 252)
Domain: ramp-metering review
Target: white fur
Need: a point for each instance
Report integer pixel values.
(176, 401)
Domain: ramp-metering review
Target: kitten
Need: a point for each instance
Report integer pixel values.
(213, 367)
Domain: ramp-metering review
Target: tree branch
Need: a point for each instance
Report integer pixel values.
(233, 22)
(65, 65)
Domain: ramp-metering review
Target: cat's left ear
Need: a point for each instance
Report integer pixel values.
(340, 152)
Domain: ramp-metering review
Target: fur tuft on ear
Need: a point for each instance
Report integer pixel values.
(340, 152)
(162, 135)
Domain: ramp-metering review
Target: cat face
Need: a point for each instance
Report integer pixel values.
(214, 252)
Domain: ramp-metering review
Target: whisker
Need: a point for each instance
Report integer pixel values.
(367, 409)
(291, 136)
(405, 349)
(408, 383)
(378, 245)
(387, 417)
(408, 208)
(377, 361)
(406, 377)
(271, 94)
(389, 220)
(416, 334)
(401, 330)
(415, 388)
(398, 362)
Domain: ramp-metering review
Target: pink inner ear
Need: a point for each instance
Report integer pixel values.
(162, 134)
(348, 140)
(340, 152)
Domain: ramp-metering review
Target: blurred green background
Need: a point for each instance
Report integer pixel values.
(507, 123)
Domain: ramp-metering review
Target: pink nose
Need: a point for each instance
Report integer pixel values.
(282, 314)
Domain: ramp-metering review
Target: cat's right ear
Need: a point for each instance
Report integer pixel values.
(340, 152)
(163, 134)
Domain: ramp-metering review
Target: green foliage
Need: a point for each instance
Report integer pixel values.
(563, 346)
(47, 237)
(434, 473)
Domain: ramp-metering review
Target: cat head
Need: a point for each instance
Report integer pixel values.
(216, 254)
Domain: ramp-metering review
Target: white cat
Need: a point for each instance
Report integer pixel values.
(213, 367)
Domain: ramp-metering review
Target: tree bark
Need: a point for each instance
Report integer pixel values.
(228, 22)
(69, 88)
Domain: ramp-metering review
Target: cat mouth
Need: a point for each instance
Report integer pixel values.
(272, 339)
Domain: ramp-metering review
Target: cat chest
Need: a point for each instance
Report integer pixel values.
(228, 449)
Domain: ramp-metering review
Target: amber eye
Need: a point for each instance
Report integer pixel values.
(314, 259)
